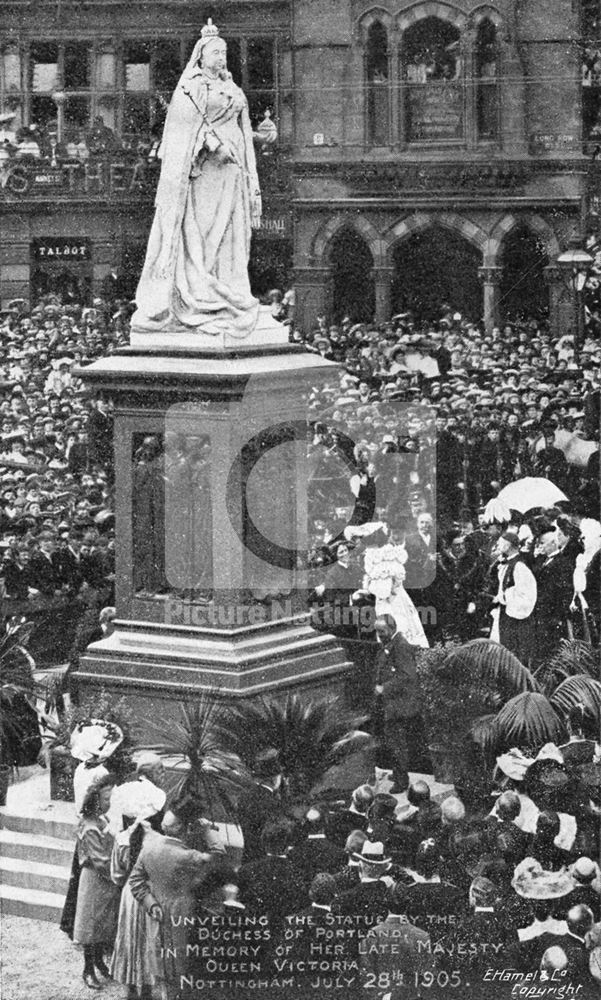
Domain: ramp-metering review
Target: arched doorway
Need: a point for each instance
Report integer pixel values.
(351, 266)
(434, 268)
(523, 291)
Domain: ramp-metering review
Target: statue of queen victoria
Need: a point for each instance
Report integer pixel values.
(195, 276)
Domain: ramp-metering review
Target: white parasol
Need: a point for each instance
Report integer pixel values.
(530, 492)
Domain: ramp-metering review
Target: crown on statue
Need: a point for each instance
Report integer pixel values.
(209, 30)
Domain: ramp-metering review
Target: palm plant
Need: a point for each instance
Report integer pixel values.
(17, 689)
(534, 706)
(310, 736)
(211, 774)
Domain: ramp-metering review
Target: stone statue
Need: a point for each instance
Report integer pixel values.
(195, 276)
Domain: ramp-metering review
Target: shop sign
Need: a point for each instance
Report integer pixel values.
(48, 178)
(275, 225)
(62, 248)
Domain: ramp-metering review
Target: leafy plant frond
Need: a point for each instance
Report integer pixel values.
(213, 774)
(309, 735)
(483, 733)
(527, 721)
(572, 658)
(493, 664)
(580, 690)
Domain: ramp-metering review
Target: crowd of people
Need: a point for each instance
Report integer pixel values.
(425, 451)
(360, 894)
(413, 441)
(417, 434)
(56, 469)
(38, 144)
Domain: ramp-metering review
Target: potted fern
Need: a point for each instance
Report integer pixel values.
(20, 741)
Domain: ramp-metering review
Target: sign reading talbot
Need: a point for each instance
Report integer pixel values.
(61, 248)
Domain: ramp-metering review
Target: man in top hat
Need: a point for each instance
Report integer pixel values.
(262, 803)
(515, 600)
(370, 897)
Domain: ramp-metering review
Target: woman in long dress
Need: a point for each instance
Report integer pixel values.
(384, 576)
(97, 895)
(195, 276)
(136, 961)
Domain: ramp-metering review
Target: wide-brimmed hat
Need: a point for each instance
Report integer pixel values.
(372, 853)
(140, 799)
(95, 738)
(531, 881)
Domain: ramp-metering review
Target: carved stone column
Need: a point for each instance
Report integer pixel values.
(562, 317)
(382, 276)
(490, 278)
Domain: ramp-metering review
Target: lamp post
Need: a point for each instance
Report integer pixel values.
(575, 263)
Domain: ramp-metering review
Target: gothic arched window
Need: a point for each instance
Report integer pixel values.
(434, 82)
(486, 66)
(378, 85)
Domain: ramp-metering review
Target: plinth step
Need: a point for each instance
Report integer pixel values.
(32, 903)
(36, 847)
(34, 875)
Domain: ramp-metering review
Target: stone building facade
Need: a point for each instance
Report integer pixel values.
(436, 131)
(431, 149)
(91, 82)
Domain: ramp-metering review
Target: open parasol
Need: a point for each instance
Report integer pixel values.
(530, 492)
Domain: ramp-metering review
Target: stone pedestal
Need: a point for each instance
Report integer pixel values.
(211, 512)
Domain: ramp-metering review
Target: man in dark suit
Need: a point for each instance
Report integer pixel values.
(43, 573)
(369, 899)
(341, 823)
(260, 804)
(574, 945)
(76, 453)
(270, 885)
(421, 554)
(554, 572)
(584, 873)
(315, 853)
(510, 839)
(17, 575)
(431, 896)
(100, 435)
(396, 716)
(425, 820)
(395, 949)
(67, 561)
(480, 940)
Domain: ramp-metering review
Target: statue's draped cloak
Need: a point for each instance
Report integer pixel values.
(195, 276)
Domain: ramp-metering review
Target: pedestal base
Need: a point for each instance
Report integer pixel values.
(267, 333)
(158, 666)
(247, 405)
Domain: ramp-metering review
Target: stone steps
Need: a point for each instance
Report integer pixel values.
(37, 840)
(32, 903)
(37, 875)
